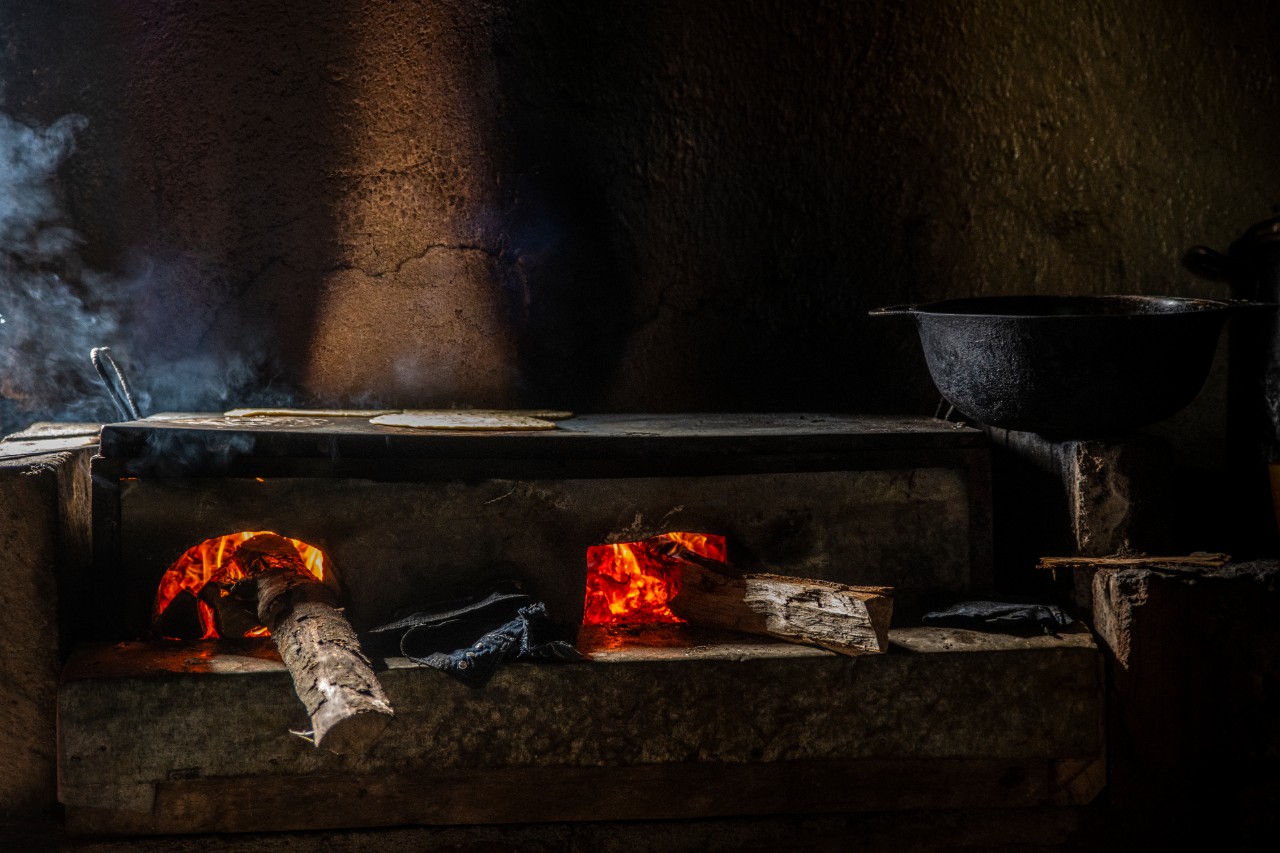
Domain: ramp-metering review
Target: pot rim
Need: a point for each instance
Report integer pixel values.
(1056, 307)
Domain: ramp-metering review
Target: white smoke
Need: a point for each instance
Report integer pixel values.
(30, 215)
(49, 318)
(54, 310)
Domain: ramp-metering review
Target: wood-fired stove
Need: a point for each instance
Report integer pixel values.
(185, 737)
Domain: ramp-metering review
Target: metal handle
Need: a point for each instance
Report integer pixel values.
(1210, 263)
(893, 311)
(1251, 305)
(113, 379)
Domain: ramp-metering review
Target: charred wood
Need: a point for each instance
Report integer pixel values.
(181, 619)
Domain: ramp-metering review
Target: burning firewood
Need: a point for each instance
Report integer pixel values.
(347, 706)
(851, 620)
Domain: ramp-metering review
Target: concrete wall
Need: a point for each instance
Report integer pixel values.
(627, 206)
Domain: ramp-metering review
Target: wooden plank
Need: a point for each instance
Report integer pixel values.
(1194, 561)
(557, 793)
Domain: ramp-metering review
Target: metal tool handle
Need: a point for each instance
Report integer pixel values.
(117, 387)
(1210, 263)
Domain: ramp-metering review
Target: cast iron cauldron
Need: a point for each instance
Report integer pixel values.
(1068, 366)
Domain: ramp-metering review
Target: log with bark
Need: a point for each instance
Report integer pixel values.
(851, 620)
(332, 677)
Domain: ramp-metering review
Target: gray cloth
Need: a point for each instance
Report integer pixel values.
(1001, 617)
(470, 640)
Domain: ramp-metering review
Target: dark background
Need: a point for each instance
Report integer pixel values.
(615, 206)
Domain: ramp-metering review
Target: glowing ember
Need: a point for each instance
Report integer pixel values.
(630, 583)
(210, 562)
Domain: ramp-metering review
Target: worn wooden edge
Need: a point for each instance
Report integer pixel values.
(1194, 561)
(562, 794)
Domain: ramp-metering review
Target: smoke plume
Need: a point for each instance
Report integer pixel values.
(54, 309)
(49, 317)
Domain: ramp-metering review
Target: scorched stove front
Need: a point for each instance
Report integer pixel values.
(406, 515)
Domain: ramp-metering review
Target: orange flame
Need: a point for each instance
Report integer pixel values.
(630, 583)
(210, 561)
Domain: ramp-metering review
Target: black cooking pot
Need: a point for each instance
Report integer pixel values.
(1252, 267)
(1068, 366)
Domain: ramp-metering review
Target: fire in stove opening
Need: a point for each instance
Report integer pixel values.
(631, 583)
(206, 572)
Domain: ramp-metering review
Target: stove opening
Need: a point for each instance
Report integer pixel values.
(631, 583)
(197, 598)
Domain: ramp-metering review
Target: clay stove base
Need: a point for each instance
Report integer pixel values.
(194, 738)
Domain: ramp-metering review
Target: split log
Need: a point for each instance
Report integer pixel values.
(851, 620)
(332, 677)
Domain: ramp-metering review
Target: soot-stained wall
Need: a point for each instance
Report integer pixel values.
(610, 206)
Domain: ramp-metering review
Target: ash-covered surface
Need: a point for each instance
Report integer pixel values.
(620, 643)
(41, 430)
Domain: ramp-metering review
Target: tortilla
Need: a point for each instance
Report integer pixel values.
(463, 419)
(541, 414)
(308, 413)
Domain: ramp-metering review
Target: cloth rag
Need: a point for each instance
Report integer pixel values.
(1001, 617)
(469, 640)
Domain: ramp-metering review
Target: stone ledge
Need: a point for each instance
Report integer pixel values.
(44, 519)
(170, 741)
(1195, 656)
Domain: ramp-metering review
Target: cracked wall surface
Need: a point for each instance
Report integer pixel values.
(644, 206)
